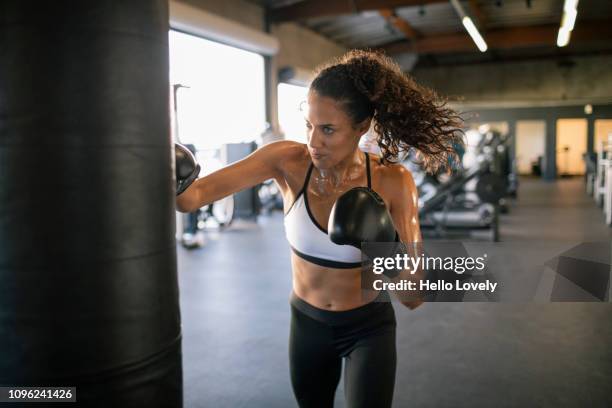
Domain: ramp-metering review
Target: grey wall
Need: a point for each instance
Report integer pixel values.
(303, 48)
(550, 114)
(299, 46)
(243, 12)
(535, 89)
(526, 83)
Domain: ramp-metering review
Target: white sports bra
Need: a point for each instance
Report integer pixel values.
(310, 241)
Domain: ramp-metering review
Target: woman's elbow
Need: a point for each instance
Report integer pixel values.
(187, 201)
(182, 208)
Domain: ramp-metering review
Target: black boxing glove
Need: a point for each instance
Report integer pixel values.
(186, 168)
(360, 215)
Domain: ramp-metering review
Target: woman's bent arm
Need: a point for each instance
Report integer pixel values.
(405, 214)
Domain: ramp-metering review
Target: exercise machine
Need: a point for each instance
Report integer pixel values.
(471, 200)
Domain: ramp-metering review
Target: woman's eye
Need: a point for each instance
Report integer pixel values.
(308, 125)
(327, 130)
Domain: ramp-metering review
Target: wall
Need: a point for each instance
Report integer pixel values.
(303, 48)
(603, 130)
(526, 83)
(549, 114)
(530, 143)
(299, 46)
(243, 12)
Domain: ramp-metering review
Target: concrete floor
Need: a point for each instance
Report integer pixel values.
(234, 299)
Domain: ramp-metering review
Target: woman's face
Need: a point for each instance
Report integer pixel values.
(331, 134)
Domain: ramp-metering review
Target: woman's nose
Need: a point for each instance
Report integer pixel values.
(315, 140)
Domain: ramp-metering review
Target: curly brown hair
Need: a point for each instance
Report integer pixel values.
(406, 115)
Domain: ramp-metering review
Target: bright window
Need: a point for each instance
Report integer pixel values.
(290, 117)
(225, 99)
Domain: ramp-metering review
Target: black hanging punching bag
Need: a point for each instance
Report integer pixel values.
(88, 285)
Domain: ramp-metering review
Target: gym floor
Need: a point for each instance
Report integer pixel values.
(235, 312)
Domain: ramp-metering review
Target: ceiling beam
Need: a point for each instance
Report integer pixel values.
(479, 17)
(506, 38)
(328, 8)
(399, 23)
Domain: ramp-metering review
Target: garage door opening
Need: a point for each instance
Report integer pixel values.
(224, 99)
(290, 117)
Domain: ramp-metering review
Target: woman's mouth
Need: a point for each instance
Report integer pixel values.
(317, 156)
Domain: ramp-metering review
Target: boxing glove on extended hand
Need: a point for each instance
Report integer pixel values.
(186, 167)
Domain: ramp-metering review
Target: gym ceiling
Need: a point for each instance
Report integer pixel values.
(427, 33)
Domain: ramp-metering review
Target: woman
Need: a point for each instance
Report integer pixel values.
(331, 320)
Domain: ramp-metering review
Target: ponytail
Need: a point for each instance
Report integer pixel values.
(405, 114)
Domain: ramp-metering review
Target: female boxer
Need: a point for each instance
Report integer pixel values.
(331, 320)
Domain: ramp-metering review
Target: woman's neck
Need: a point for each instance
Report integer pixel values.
(334, 179)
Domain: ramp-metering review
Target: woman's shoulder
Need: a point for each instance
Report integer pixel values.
(286, 148)
(391, 177)
(292, 161)
(290, 157)
(388, 171)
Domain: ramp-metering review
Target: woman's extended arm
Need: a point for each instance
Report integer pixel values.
(257, 167)
(405, 213)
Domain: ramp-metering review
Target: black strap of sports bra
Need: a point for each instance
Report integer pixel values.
(368, 170)
(303, 190)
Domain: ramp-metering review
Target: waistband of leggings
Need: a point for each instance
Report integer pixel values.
(381, 302)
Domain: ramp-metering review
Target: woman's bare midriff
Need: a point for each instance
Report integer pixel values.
(329, 288)
(325, 288)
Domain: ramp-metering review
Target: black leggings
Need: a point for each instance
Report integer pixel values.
(319, 339)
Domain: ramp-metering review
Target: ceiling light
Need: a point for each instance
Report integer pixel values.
(563, 37)
(474, 33)
(570, 12)
(569, 19)
(469, 26)
(570, 4)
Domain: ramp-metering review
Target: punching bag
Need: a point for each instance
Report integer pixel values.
(88, 284)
